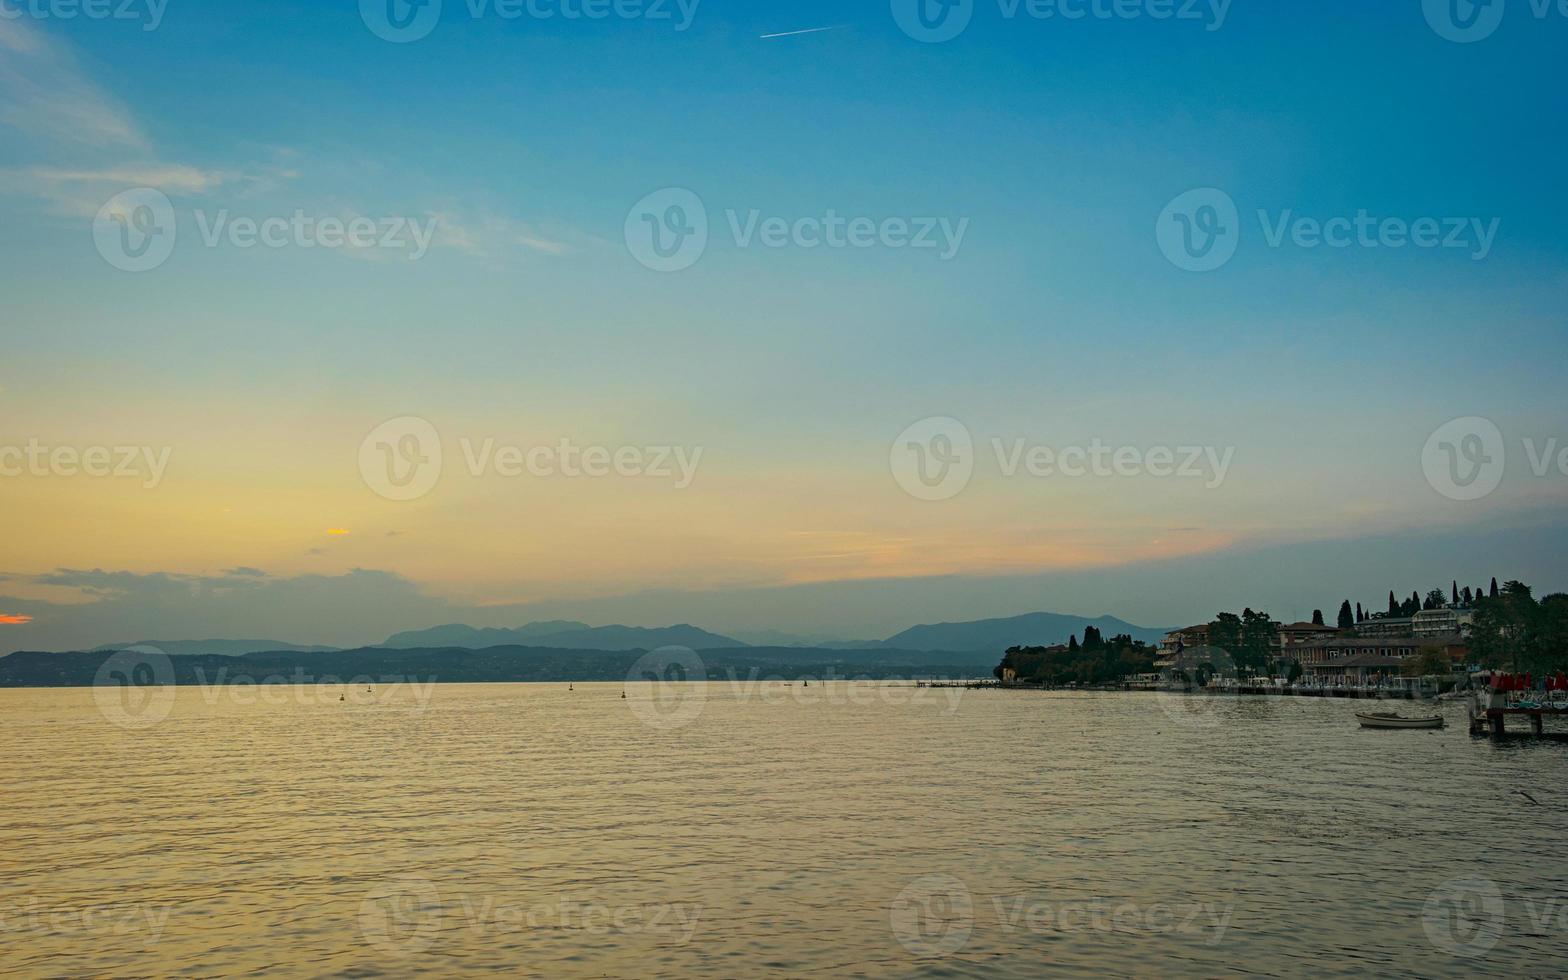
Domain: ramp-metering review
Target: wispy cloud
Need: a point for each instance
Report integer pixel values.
(45, 95)
(808, 30)
(494, 235)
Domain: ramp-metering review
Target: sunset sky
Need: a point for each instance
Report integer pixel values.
(255, 375)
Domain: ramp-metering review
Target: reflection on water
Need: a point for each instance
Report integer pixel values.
(716, 830)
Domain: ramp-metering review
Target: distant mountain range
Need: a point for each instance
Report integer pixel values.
(1033, 629)
(988, 636)
(503, 664)
(563, 635)
(216, 648)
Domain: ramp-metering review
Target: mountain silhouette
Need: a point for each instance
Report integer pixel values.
(564, 635)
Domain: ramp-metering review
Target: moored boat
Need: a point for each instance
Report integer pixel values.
(1387, 719)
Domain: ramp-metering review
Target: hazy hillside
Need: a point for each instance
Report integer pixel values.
(565, 636)
(216, 648)
(996, 635)
(475, 638)
(497, 664)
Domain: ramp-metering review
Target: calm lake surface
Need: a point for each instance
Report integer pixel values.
(730, 830)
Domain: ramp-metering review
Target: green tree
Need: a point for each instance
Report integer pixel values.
(1225, 633)
(1429, 661)
(1347, 619)
(1258, 633)
(1435, 599)
(1508, 630)
(1317, 617)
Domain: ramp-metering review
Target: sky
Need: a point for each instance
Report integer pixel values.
(530, 388)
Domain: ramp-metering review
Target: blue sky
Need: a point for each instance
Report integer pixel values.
(1058, 319)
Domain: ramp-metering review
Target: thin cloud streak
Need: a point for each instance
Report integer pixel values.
(808, 30)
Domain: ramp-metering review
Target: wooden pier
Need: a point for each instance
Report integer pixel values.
(1490, 711)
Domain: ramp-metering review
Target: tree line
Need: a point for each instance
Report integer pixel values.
(1096, 660)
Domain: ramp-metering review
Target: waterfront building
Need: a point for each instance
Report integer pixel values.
(1433, 622)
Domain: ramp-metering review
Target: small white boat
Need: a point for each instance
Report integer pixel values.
(1387, 719)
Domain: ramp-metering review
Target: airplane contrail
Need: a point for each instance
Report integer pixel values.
(809, 30)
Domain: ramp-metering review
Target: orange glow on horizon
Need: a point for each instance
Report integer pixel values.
(7, 619)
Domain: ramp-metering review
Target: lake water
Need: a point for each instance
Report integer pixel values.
(722, 831)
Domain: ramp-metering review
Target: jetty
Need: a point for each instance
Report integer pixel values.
(1490, 711)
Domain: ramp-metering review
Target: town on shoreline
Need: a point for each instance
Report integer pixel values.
(1416, 647)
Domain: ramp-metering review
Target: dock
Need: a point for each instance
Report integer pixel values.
(1491, 717)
